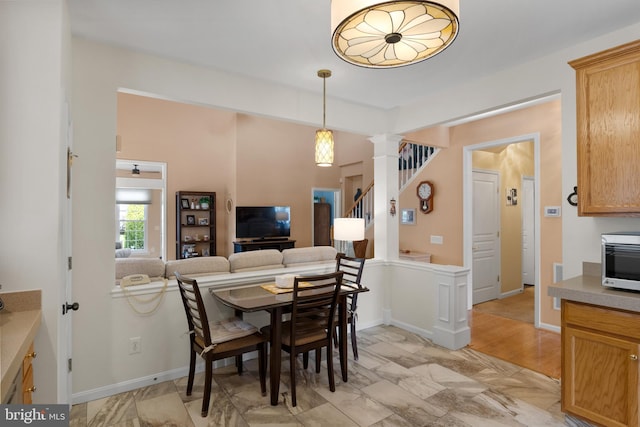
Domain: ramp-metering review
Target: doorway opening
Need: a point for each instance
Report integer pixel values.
(325, 208)
(516, 160)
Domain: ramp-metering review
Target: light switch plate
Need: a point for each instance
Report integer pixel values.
(437, 240)
(552, 211)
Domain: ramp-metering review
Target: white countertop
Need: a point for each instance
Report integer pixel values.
(588, 289)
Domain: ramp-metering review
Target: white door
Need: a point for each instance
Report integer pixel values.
(528, 224)
(486, 239)
(65, 334)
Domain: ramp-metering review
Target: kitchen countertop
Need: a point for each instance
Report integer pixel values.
(588, 289)
(19, 323)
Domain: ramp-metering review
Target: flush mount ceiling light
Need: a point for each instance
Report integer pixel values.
(391, 34)
(324, 137)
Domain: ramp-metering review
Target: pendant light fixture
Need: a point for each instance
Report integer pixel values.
(387, 34)
(324, 137)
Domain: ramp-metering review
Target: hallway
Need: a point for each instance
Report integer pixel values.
(503, 328)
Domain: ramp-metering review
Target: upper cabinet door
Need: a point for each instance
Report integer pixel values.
(608, 131)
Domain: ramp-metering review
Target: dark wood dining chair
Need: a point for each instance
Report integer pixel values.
(217, 340)
(312, 324)
(352, 274)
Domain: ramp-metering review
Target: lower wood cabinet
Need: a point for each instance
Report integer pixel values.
(27, 377)
(600, 348)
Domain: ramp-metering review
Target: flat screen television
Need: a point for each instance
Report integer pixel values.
(263, 222)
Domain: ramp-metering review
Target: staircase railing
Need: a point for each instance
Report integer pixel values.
(412, 158)
(363, 206)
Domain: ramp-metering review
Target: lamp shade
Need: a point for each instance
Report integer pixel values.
(348, 229)
(386, 34)
(324, 147)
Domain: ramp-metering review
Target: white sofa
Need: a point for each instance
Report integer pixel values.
(241, 262)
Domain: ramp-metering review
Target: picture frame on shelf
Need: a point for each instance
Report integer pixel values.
(191, 220)
(408, 217)
(203, 221)
(184, 203)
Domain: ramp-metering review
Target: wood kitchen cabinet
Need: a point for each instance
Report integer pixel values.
(608, 131)
(600, 348)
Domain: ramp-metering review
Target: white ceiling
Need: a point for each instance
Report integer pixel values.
(287, 41)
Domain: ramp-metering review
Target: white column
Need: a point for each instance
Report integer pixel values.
(385, 166)
(451, 328)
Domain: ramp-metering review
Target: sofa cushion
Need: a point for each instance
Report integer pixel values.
(123, 253)
(152, 267)
(195, 267)
(255, 260)
(310, 255)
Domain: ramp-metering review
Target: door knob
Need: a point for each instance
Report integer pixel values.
(633, 357)
(67, 307)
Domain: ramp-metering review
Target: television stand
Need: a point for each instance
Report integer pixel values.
(270, 239)
(279, 244)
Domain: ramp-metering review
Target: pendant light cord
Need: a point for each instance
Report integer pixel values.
(324, 101)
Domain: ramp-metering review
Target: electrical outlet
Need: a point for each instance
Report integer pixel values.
(134, 345)
(437, 240)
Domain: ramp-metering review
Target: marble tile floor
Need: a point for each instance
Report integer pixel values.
(399, 380)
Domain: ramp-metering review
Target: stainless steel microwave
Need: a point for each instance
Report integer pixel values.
(621, 260)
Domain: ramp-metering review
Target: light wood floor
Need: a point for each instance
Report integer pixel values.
(515, 341)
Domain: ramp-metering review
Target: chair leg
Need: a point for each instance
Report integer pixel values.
(305, 359)
(262, 367)
(332, 380)
(318, 359)
(192, 371)
(292, 372)
(239, 364)
(207, 387)
(354, 340)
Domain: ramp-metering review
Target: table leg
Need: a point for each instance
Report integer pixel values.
(275, 356)
(342, 338)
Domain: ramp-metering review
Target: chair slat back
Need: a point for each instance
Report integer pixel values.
(352, 269)
(314, 305)
(194, 309)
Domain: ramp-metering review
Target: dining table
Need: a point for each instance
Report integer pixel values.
(278, 301)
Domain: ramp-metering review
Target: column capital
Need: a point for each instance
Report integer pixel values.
(386, 144)
(386, 137)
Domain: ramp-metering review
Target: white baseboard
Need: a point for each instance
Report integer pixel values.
(510, 293)
(135, 383)
(110, 390)
(552, 328)
(411, 328)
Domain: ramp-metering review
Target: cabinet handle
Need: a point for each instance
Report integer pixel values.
(31, 389)
(633, 357)
(32, 355)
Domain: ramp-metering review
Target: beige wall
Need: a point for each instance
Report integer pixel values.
(512, 162)
(195, 142)
(247, 160)
(445, 171)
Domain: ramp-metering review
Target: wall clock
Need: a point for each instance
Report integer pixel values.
(425, 195)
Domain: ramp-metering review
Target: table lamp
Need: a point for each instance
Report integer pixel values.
(348, 230)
